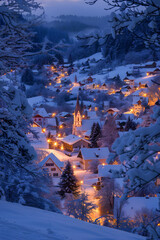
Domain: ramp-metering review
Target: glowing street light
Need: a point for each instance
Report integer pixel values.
(43, 130)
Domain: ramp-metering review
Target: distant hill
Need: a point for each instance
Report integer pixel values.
(75, 24)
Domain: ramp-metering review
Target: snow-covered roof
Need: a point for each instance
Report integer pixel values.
(54, 159)
(106, 170)
(71, 139)
(92, 114)
(36, 100)
(113, 109)
(63, 114)
(88, 133)
(135, 204)
(51, 121)
(87, 124)
(94, 153)
(40, 111)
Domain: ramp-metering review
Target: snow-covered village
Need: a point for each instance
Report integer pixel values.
(80, 120)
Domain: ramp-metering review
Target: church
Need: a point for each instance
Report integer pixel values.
(83, 120)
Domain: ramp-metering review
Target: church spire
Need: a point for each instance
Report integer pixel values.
(78, 108)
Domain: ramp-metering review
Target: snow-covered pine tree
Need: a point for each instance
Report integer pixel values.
(140, 150)
(95, 134)
(68, 182)
(20, 181)
(27, 77)
(81, 208)
(109, 132)
(129, 14)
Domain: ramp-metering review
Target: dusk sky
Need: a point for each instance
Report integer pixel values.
(55, 8)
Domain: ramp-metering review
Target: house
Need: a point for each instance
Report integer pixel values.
(105, 171)
(52, 165)
(72, 141)
(90, 79)
(112, 111)
(129, 82)
(39, 116)
(88, 155)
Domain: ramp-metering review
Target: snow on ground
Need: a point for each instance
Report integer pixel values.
(26, 223)
(96, 56)
(36, 100)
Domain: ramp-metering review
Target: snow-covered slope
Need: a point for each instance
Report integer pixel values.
(26, 223)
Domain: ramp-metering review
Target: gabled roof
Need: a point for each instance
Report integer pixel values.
(71, 139)
(41, 112)
(106, 170)
(87, 124)
(113, 109)
(54, 159)
(94, 153)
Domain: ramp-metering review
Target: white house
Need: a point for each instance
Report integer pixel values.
(88, 155)
(39, 116)
(72, 141)
(52, 165)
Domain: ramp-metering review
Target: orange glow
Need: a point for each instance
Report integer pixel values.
(50, 84)
(81, 182)
(74, 166)
(158, 224)
(147, 73)
(94, 187)
(61, 126)
(62, 148)
(55, 144)
(83, 116)
(43, 130)
(94, 99)
(103, 164)
(59, 135)
(48, 140)
(53, 114)
(96, 108)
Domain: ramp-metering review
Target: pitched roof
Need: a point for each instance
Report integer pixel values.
(87, 124)
(94, 153)
(54, 159)
(106, 170)
(71, 139)
(40, 111)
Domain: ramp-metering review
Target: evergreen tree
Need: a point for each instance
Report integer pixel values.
(130, 124)
(75, 79)
(81, 208)
(95, 134)
(70, 60)
(20, 180)
(68, 182)
(27, 77)
(109, 133)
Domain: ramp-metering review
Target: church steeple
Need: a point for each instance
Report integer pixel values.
(77, 116)
(78, 108)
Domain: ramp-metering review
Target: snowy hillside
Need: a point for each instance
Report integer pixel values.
(23, 223)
